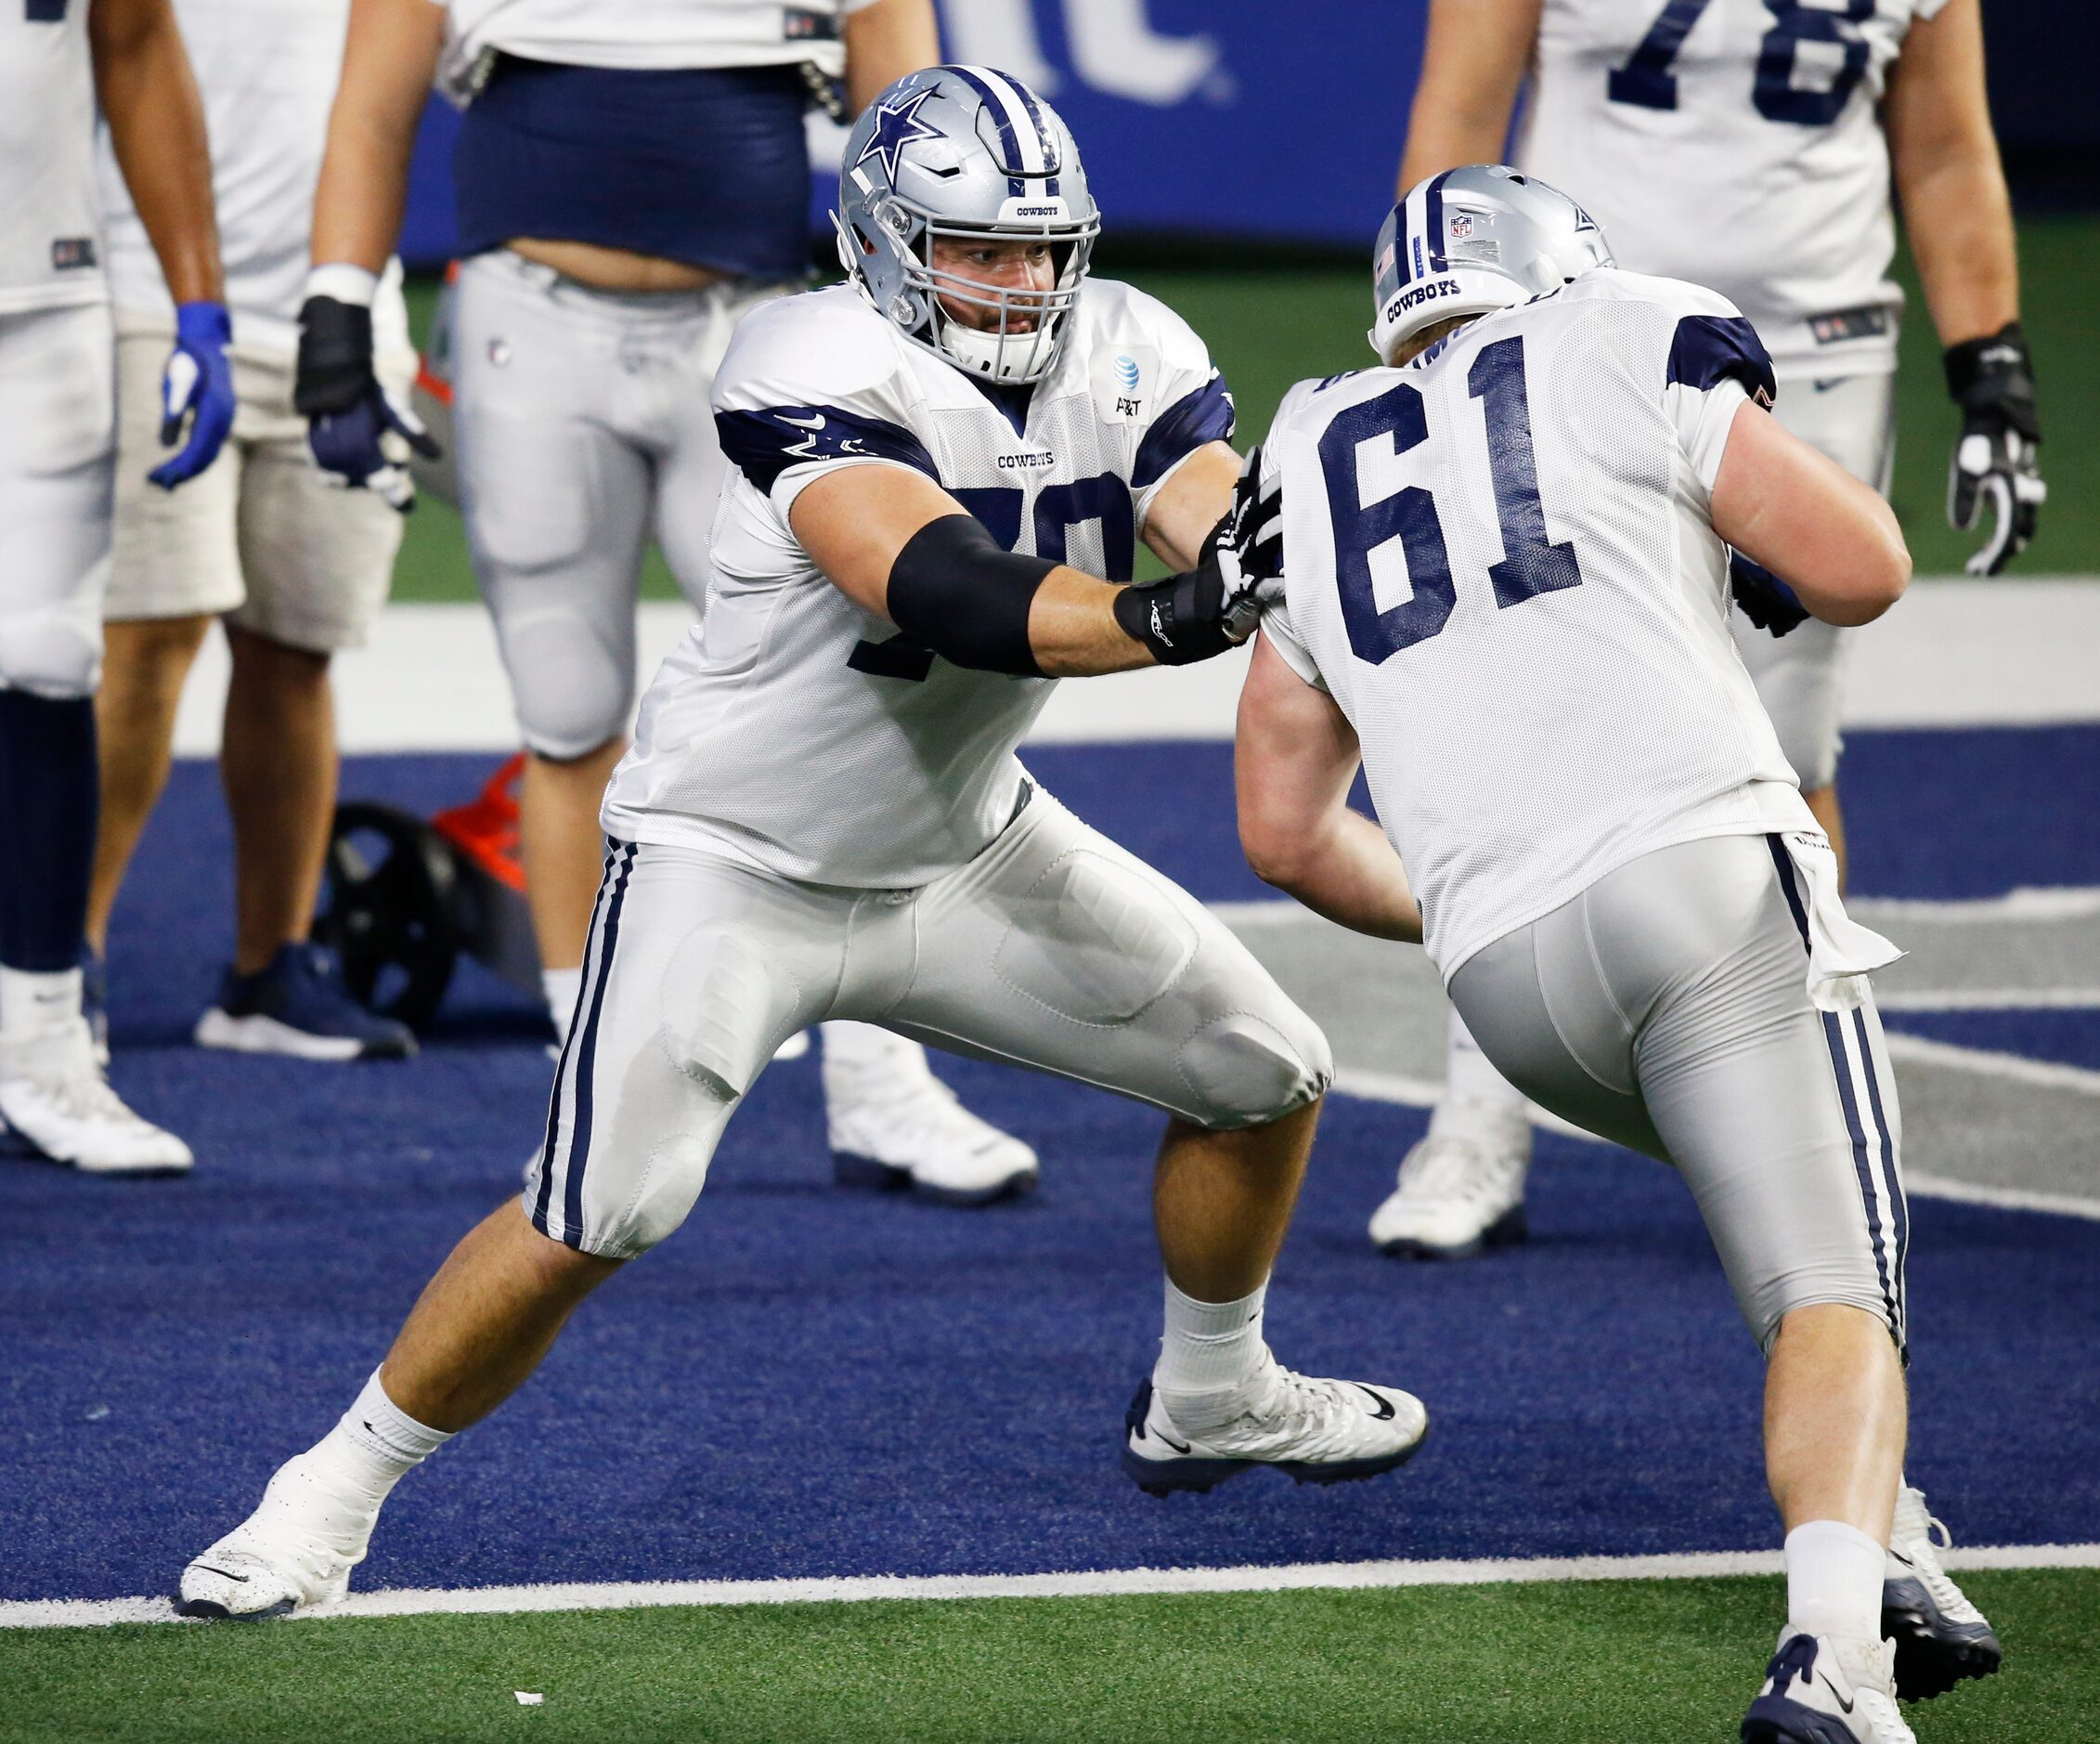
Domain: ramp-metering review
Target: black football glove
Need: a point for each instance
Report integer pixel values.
(1766, 600)
(1216, 605)
(1994, 465)
(349, 416)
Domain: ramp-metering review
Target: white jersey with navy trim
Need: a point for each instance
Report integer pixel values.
(1501, 561)
(49, 243)
(647, 34)
(795, 731)
(268, 72)
(1739, 143)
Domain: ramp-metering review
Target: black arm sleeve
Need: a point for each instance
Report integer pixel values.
(954, 589)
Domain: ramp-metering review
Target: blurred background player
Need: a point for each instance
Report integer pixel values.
(631, 177)
(58, 59)
(293, 568)
(1747, 145)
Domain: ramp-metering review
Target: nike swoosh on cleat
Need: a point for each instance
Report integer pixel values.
(1179, 1447)
(1842, 1703)
(205, 1567)
(1384, 1405)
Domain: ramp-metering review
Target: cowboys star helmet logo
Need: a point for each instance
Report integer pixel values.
(896, 125)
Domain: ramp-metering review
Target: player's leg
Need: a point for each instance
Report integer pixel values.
(1462, 1186)
(1800, 676)
(1058, 950)
(173, 567)
(694, 970)
(557, 510)
(318, 561)
(55, 457)
(890, 1120)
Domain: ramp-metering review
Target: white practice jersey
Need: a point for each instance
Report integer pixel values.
(49, 250)
(800, 734)
(267, 70)
(1736, 143)
(657, 34)
(1501, 561)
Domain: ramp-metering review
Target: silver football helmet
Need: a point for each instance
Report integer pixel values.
(1474, 239)
(968, 154)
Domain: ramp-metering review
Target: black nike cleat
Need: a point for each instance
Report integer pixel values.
(1941, 1638)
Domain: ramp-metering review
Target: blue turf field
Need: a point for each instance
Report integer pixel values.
(808, 1382)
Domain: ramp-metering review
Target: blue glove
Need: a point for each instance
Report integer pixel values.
(196, 388)
(1766, 600)
(351, 422)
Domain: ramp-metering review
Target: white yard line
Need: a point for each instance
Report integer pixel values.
(2065, 902)
(1093, 1584)
(1987, 999)
(2045, 1075)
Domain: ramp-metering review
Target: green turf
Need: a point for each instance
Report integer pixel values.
(1269, 329)
(1606, 1661)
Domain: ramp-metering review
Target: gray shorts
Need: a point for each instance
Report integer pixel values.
(1667, 1009)
(1800, 675)
(1053, 949)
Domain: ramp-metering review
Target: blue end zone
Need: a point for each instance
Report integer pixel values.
(812, 1381)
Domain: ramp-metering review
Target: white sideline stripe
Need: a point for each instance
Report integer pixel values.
(2045, 1075)
(1393, 1087)
(1955, 652)
(1302, 1577)
(1989, 999)
(2064, 902)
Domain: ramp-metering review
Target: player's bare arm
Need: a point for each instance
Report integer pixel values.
(156, 118)
(1959, 218)
(1473, 63)
(388, 60)
(1294, 756)
(1831, 539)
(879, 531)
(1186, 508)
(883, 43)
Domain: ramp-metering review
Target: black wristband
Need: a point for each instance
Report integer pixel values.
(1180, 618)
(335, 357)
(1995, 374)
(954, 589)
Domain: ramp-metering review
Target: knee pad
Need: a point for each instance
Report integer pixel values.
(51, 651)
(1247, 1071)
(573, 694)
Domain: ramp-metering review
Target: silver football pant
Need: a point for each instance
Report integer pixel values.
(1667, 1009)
(1053, 949)
(584, 431)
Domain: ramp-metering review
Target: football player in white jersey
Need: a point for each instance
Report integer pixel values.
(1506, 564)
(938, 466)
(1748, 145)
(294, 569)
(57, 60)
(631, 176)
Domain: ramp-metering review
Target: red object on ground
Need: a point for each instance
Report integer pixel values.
(486, 828)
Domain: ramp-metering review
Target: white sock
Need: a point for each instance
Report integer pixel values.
(562, 985)
(375, 1444)
(1834, 1575)
(31, 1003)
(1209, 1351)
(1475, 1095)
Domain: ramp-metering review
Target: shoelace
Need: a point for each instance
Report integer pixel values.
(88, 1096)
(1447, 1166)
(1930, 1535)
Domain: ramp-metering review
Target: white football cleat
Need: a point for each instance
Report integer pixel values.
(1941, 1638)
(293, 1553)
(1820, 1689)
(1315, 1431)
(53, 1094)
(1460, 1190)
(892, 1123)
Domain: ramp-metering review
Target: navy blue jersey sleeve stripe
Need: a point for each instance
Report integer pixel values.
(762, 445)
(1201, 416)
(1708, 349)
